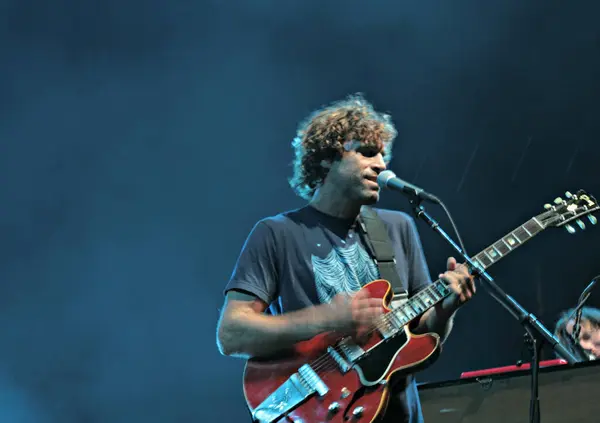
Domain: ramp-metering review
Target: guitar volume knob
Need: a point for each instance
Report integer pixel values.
(358, 412)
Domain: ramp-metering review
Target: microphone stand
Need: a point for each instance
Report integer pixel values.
(579, 309)
(536, 330)
(574, 336)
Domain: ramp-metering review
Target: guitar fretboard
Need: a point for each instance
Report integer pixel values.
(437, 291)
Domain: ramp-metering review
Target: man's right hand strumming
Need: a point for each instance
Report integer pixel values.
(354, 313)
(245, 330)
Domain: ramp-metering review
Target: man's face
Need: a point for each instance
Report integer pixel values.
(355, 174)
(589, 337)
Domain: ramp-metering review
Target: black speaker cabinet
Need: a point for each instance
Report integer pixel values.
(568, 394)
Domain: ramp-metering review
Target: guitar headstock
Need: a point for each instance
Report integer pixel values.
(569, 210)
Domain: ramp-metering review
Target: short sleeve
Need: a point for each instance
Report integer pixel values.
(256, 267)
(419, 276)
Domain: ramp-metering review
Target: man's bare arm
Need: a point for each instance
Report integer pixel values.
(245, 331)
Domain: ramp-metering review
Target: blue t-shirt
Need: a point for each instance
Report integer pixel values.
(304, 257)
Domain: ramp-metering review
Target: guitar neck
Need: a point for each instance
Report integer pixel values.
(437, 291)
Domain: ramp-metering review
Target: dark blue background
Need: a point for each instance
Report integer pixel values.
(140, 141)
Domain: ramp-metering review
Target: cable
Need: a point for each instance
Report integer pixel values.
(458, 237)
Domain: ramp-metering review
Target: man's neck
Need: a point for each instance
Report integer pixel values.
(332, 205)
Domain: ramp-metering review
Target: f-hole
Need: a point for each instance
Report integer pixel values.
(359, 393)
(355, 396)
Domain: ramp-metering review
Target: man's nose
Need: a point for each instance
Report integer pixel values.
(379, 164)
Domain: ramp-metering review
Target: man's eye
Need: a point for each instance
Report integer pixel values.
(368, 151)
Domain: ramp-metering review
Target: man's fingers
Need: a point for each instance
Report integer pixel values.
(472, 285)
(451, 263)
(373, 302)
(367, 315)
(372, 312)
(361, 295)
(448, 277)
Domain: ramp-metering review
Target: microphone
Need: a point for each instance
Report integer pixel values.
(388, 179)
(588, 290)
(582, 299)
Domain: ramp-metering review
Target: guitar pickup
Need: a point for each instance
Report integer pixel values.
(352, 351)
(339, 360)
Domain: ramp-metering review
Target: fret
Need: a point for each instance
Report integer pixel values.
(522, 234)
(438, 290)
(414, 308)
(533, 226)
(537, 222)
(494, 253)
(441, 288)
(403, 314)
(438, 293)
(502, 247)
(512, 240)
(489, 256)
(387, 327)
(433, 294)
(428, 301)
(397, 319)
(424, 299)
(478, 262)
(484, 260)
(417, 307)
(402, 317)
(409, 312)
(417, 304)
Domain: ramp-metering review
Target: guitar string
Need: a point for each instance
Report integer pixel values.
(386, 319)
(325, 361)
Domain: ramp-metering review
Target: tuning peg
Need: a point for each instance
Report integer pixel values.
(547, 206)
(570, 229)
(592, 219)
(568, 194)
(558, 200)
(581, 224)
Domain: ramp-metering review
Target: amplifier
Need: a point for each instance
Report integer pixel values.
(568, 394)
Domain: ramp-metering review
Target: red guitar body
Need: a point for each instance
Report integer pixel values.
(358, 394)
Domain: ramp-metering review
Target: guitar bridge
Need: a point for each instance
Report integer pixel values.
(289, 395)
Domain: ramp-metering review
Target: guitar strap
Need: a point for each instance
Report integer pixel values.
(375, 238)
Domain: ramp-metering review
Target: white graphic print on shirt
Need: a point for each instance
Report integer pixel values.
(343, 270)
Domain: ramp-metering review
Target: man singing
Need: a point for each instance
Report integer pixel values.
(299, 272)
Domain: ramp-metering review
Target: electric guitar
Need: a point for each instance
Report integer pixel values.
(333, 378)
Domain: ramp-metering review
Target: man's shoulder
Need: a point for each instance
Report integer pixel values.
(394, 217)
(281, 220)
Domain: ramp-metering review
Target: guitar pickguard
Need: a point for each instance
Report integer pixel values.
(375, 364)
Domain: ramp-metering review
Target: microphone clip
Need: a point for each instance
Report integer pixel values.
(585, 295)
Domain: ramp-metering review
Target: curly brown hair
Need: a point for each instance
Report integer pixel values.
(323, 134)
